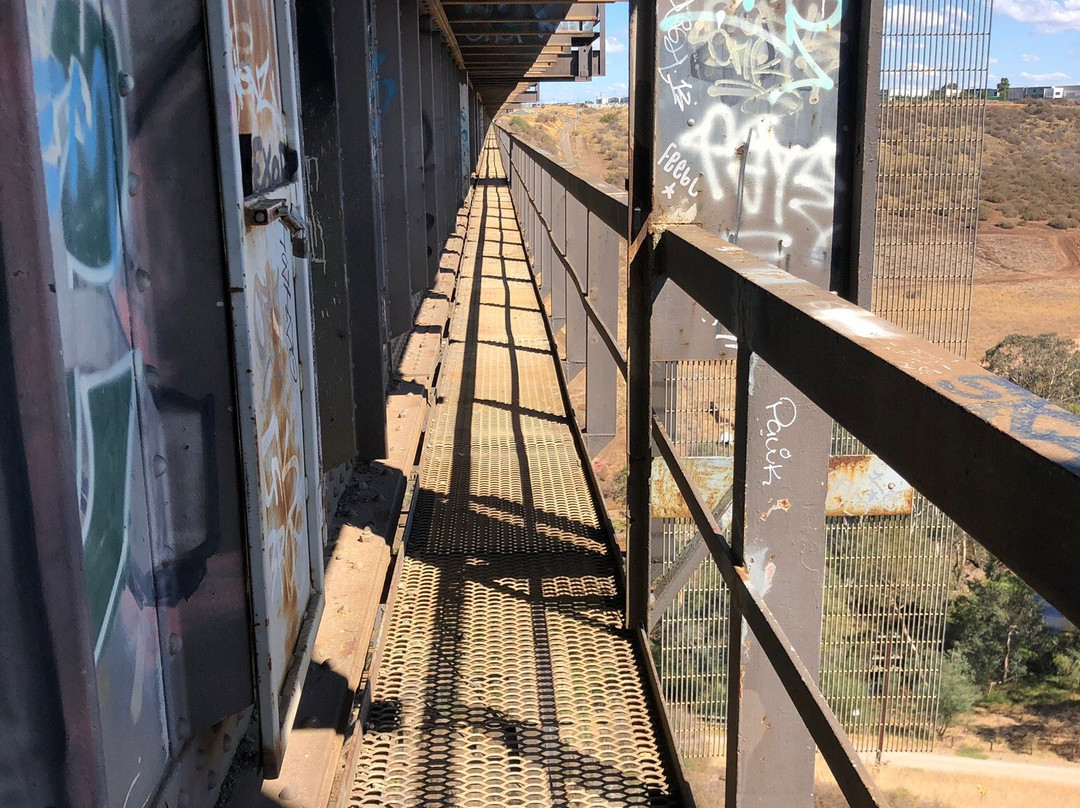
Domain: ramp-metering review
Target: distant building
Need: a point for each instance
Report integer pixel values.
(1061, 92)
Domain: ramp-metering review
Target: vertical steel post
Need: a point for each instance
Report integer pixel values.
(778, 533)
(601, 379)
(412, 108)
(363, 225)
(542, 244)
(559, 281)
(322, 158)
(639, 309)
(576, 218)
(390, 134)
(432, 180)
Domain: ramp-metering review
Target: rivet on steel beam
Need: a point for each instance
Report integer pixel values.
(690, 122)
(212, 780)
(226, 742)
(176, 642)
(160, 465)
(133, 183)
(142, 279)
(125, 84)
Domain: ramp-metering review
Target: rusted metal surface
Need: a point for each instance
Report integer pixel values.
(862, 485)
(506, 677)
(932, 417)
(712, 475)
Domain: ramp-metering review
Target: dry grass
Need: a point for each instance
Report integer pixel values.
(1027, 281)
(594, 141)
(905, 788)
(1032, 151)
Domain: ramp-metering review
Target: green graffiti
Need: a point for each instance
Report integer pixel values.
(104, 424)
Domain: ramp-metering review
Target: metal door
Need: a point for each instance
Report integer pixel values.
(263, 202)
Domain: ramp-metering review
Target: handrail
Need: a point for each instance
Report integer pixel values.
(610, 340)
(974, 444)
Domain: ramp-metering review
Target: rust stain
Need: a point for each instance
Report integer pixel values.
(779, 505)
(862, 485)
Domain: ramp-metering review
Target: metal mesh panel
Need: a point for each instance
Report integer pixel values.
(887, 578)
(886, 589)
(690, 645)
(931, 146)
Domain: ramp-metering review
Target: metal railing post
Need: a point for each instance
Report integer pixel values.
(577, 255)
(639, 309)
(557, 223)
(601, 379)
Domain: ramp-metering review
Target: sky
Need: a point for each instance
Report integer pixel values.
(1032, 42)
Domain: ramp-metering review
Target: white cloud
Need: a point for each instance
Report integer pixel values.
(614, 45)
(993, 61)
(902, 17)
(1027, 57)
(1044, 78)
(1048, 16)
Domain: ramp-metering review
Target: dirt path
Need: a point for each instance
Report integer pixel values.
(1063, 774)
(565, 146)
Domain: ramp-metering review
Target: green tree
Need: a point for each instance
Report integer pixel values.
(1003, 89)
(958, 691)
(1048, 365)
(998, 627)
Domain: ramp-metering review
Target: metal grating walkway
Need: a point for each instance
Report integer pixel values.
(506, 680)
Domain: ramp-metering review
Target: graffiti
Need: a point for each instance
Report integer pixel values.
(672, 56)
(673, 164)
(1025, 416)
(760, 51)
(82, 137)
(787, 184)
(385, 88)
(104, 416)
(267, 160)
(282, 483)
(782, 414)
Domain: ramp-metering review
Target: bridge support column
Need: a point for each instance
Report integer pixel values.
(412, 112)
(363, 227)
(390, 124)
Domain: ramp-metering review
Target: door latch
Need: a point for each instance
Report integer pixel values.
(262, 211)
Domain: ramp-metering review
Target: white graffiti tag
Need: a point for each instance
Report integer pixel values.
(673, 52)
(788, 183)
(673, 164)
(782, 414)
(763, 50)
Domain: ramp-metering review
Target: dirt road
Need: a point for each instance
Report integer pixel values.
(1005, 769)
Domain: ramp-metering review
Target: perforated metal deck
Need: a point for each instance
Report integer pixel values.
(506, 680)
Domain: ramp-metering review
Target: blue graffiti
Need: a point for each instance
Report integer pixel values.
(386, 87)
(1027, 417)
(81, 123)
